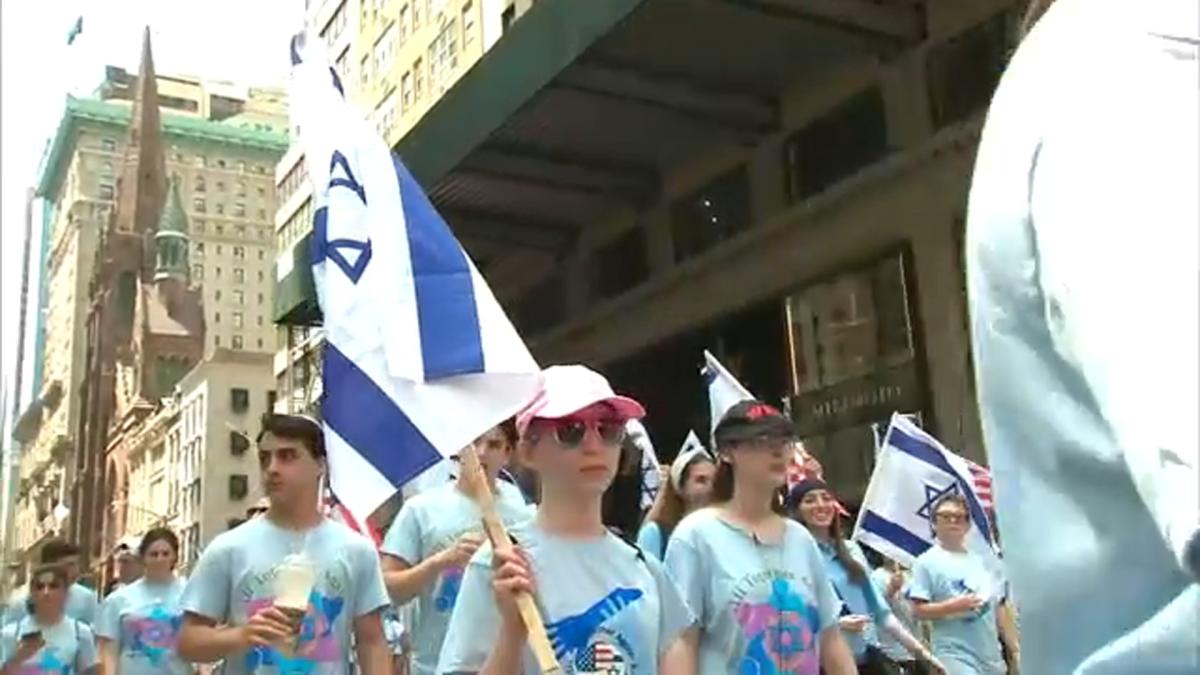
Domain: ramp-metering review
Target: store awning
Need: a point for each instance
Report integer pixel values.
(576, 114)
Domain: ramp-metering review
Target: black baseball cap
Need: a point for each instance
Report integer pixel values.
(753, 419)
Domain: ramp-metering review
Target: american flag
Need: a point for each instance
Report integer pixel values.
(599, 659)
(802, 466)
(981, 480)
(336, 511)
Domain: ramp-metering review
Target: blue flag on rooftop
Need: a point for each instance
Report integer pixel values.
(420, 359)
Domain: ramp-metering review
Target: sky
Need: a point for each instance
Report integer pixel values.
(243, 41)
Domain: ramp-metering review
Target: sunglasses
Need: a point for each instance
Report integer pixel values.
(569, 433)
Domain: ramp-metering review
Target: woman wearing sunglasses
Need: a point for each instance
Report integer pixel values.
(139, 623)
(46, 641)
(601, 600)
(865, 614)
(687, 488)
(434, 536)
(756, 579)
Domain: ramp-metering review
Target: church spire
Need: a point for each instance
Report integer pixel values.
(143, 187)
(171, 240)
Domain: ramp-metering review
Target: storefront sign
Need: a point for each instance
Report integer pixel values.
(859, 401)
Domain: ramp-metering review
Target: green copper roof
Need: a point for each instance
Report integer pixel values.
(173, 219)
(118, 116)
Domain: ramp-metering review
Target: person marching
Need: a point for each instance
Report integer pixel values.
(756, 579)
(688, 487)
(892, 577)
(283, 592)
(81, 601)
(954, 590)
(433, 538)
(138, 626)
(45, 640)
(604, 604)
(865, 615)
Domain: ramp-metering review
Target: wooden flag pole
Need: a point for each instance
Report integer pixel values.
(538, 640)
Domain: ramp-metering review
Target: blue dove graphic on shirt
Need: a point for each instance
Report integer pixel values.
(571, 634)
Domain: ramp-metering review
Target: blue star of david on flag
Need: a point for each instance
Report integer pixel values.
(933, 495)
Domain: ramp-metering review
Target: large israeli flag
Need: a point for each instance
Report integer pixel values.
(419, 358)
(724, 390)
(912, 472)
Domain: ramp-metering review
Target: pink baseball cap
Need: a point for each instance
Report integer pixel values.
(568, 389)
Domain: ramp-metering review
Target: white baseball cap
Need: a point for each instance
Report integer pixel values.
(568, 389)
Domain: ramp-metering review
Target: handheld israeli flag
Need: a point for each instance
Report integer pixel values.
(651, 481)
(724, 391)
(420, 359)
(912, 472)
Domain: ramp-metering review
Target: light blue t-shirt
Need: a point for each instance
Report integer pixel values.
(604, 603)
(969, 644)
(81, 604)
(143, 620)
(1084, 306)
(650, 539)
(70, 647)
(902, 610)
(233, 580)
(430, 523)
(761, 606)
(857, 598)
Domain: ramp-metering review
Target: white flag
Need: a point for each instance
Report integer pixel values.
(912, 472)
(724, 391)
(420, 359)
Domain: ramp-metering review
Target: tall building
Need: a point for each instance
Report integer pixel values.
(395, 59)
(218, 144)
(216, 472)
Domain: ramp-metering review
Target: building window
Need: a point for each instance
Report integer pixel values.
(405, 23)
(240, 231)
(239, 209)
(199, 205)
(619, 265)
(260, 298)
(241, 184)
(220, 164)
(259, 319)
(217, 315)
(238, 320)
(198, 226)
(261, 276)
(217, 293)
(238, 443)
(239, 486)
(262, 255)
(262, 214)
(468, 23)
(963, 71)
(271, 398)
(239, 400)
(218, 271)
(385, 114)
(260, 343)
(105, 190)
(239, 297)
(406, 91)
(200, 185)
(837, 145)
(220, 208)
(201, 161)
(239, 252)
(443, 54)
(239, 275)
(108, 145)
(198, 272)
(198, 249)
(241, 165)
(237, 342)
(419, 9)
(262, 193)
(364, 72)
(418, 78)
(217, 341)
(220, 229)
(711, 214)
(384, 51)
(220, 186)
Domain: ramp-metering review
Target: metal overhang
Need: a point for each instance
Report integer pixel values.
(576, 114)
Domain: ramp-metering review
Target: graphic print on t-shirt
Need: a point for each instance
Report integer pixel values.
(152, 635)
(779, 625)
(585, 646)
(49, 662)
(317, 642)
(449, 584)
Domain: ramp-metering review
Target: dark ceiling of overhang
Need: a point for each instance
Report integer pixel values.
(673, 81)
